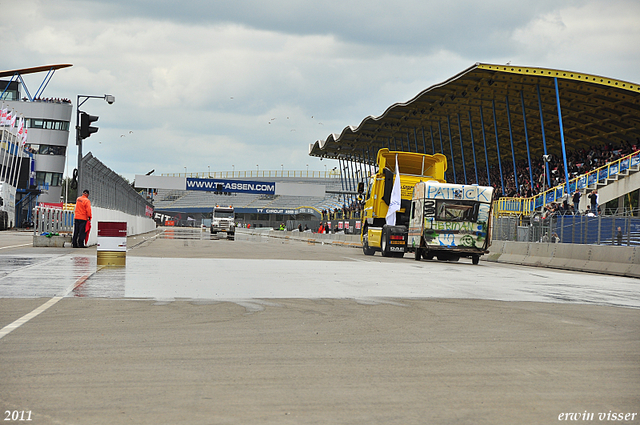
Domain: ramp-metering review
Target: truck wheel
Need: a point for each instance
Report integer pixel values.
(366, 249)
(475, 259)
(384, 243)
(427, 255)
(417, 254)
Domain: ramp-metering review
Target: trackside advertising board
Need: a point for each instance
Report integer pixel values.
(237, 186)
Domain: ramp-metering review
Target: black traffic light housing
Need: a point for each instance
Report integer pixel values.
(86, 129)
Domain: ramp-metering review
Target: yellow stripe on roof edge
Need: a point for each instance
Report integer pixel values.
(567, 75)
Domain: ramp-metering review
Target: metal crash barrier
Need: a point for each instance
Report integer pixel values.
(53, 220)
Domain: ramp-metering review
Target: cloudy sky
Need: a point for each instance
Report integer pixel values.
(247, 85)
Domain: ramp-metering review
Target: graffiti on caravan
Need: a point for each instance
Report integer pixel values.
(237, 186)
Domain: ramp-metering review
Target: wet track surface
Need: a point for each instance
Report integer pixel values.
(185, 263)
(202, 330)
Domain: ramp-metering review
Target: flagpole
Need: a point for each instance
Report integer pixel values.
(5, 154)
(15, 153)
(17, 180)
(23, 143)
(2, 142)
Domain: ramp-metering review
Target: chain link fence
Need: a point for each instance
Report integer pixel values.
(576, 229)
(109, 190)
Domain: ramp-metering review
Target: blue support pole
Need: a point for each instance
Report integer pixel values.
(464, 166)
(495, 127)
(473, 148)
(544, 139)
(513, 155)
(484, 140)
(526, 138)
(415, 137)
(433, 144)
(441, 145)
(352, 176)
(455, 180)
(341, 177)
(424, 144)
(395, 143)
(564, 151)
(409, 143)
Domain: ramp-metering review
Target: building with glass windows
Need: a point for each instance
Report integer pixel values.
(48, 122)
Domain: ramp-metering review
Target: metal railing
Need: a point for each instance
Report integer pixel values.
(52, 220)
(331, 174)
(525, 206)
(575, 229)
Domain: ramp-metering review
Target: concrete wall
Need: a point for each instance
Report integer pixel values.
(135, 224)
(603, 259)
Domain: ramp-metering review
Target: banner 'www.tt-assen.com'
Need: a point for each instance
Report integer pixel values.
(238, 186)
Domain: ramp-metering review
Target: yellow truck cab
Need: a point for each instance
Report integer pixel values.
(449, 221)
(413, 168)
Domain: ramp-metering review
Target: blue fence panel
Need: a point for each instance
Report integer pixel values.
(538, 201)
(624, 164)
(602, 174)
(550, 197)
(559, 192)
(580, 229)
(582, 182)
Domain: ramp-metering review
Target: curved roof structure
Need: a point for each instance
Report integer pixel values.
(33, 70)
(511, 109)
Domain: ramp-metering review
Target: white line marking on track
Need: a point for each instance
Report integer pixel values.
(24, 319)
(16, 246)
(44, 307)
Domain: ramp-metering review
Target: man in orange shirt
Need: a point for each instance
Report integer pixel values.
(81, 216)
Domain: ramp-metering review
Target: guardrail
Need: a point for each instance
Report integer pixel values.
(525, 206)
(258, 173)
(52, 220)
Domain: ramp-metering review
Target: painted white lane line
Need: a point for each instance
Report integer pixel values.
(44, 307)
(17, 246)
(24, 319)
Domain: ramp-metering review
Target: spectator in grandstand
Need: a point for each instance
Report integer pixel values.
(593, 197)
(576, 201)
(81, 216)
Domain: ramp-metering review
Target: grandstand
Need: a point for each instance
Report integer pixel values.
(257, 209)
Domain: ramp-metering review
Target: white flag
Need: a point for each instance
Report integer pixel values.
(20, 127)
(394, 204)
(12, 118)
(3, 117)
(24, 136)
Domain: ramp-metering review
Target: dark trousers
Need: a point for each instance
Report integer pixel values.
(79, 233)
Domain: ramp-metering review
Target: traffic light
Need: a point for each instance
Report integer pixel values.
(86, 129)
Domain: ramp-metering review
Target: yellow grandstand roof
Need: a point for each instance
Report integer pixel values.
(451, 114)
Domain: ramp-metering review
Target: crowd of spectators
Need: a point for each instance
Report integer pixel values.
(579, 162)
(351, 210)
(49, 100)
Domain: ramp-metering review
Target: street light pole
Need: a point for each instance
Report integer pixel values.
(110, 99)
